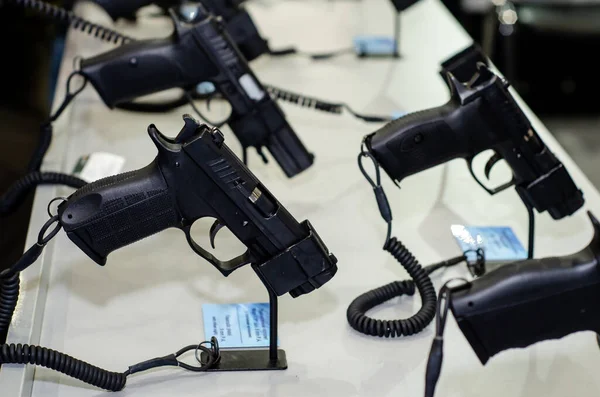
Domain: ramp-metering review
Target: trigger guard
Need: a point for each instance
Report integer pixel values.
(491, 191)
(225, 267)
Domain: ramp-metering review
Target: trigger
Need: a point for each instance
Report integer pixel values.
(214, 229)
(491, 163)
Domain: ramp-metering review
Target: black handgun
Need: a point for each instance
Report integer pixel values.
(195, 53)
(196, 175)
(480, 115)
(527, 302)
(240, 25)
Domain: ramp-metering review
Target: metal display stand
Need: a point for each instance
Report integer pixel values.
(273, 359)
(531, 232)
(397, 35)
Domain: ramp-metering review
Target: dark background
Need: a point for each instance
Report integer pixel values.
(27, 42)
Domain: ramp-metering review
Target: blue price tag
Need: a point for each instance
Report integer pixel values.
(237, 325)
(499, 243)
(374, 45)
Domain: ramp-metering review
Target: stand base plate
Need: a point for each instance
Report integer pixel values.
(248, 360)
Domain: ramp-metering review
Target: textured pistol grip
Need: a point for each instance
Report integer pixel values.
(527, 302)
(116, 211)
(417, 142)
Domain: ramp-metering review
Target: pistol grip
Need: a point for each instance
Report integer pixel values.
(116, 211)
(527, 302)
(419, 141)
(146, 67)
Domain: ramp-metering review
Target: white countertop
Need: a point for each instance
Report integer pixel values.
(147, 301)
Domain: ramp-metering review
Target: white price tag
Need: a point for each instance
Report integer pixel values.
(98, 165)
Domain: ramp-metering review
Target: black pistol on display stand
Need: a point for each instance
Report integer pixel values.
(194, 53)
(480, 115)
(196, 175)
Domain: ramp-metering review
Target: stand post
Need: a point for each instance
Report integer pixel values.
(397, 36)
(272, 325)
(252, 359)
(531, 239)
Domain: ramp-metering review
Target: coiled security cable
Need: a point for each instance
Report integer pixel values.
(74, 21)
(420, 280)
(9, 295)
(18, 190)
(95, 376)
(78, 369)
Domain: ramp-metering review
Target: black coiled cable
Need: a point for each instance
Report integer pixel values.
(37, 355)
(303, 100)
(95, 376)
(9, 295)
(395, 328)
(74, 21)
(85, 372)
(18, 190)
(356, 313)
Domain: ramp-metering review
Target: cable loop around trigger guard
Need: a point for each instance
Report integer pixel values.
(42, 239)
